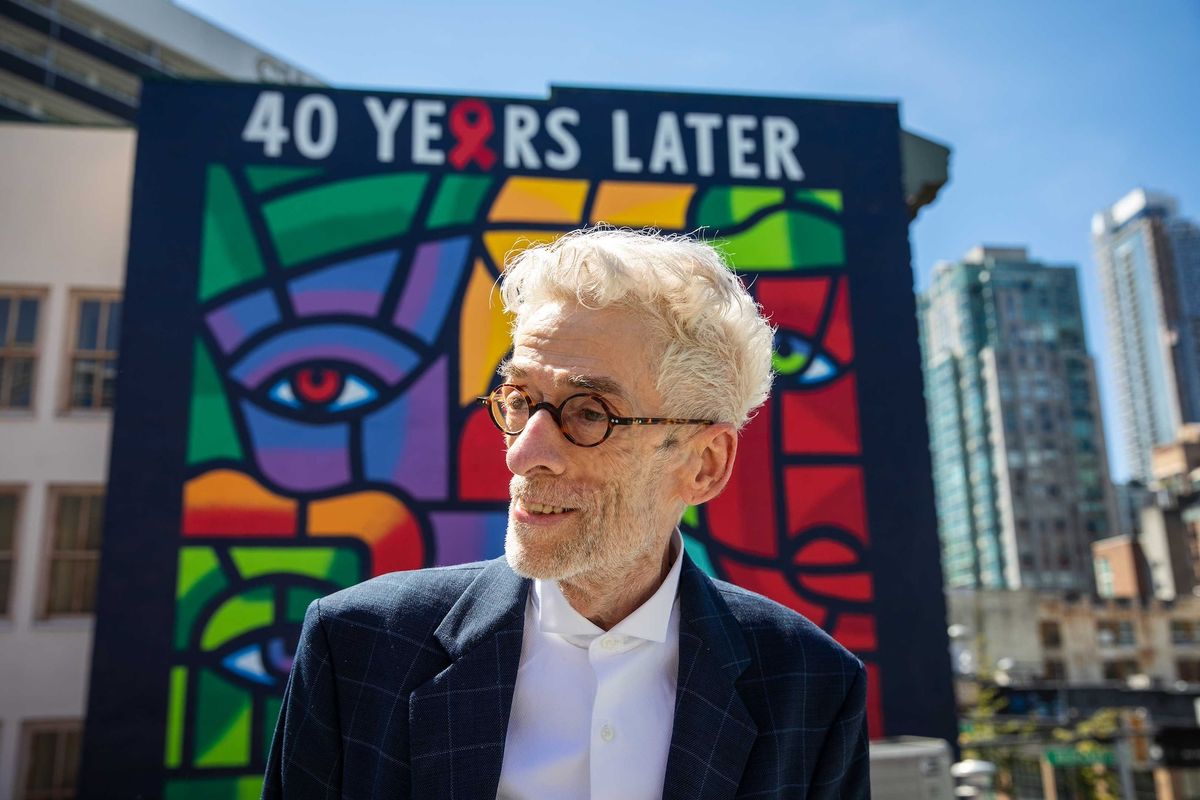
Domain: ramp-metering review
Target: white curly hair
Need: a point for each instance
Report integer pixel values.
(716, 344)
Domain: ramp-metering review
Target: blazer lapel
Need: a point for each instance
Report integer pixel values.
(713, 731)
(458, 719)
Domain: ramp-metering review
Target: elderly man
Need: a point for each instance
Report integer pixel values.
(595, 659)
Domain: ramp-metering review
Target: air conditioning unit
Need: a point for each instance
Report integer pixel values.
(911, 768)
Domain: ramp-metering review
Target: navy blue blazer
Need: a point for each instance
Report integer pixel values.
(402, 685)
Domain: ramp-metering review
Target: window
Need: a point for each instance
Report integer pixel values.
(1055, 670)
(1120, 669)
(1125, 633)
(1051, 633)
(8, 535)
(19, 311)
(49, 759)
(1183, 631)
(96, 326)
(74, 557)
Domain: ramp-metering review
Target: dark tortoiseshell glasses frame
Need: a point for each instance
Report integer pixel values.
(493, 401)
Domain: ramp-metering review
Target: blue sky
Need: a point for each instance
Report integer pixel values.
(1053, 110)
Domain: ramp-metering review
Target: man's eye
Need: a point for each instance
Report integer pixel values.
(593, 415)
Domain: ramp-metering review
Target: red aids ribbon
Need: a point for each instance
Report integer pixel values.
(472, 125)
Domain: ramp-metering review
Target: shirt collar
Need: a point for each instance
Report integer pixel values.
(555, 614)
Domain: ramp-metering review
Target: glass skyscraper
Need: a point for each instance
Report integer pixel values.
(1020, 470)
(1149, 260)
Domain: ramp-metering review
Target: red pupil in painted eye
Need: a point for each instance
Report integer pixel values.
(318, 384)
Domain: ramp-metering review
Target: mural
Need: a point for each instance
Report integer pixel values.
(343, 322)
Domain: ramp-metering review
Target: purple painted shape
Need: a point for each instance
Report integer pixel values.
(406, 443)
(432, 278)
(234, 322)
(337, 301)
(461, 537)
(298, 456)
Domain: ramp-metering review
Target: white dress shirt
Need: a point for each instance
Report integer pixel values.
(592, 712)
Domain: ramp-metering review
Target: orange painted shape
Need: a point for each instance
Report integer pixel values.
(484, 337)
(661, 205)
(502, 245)
(377, 518)
(541, 199)
(225, 502)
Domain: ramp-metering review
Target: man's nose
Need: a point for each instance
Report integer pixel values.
(540, 447)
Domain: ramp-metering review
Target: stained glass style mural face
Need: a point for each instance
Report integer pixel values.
(318, 329)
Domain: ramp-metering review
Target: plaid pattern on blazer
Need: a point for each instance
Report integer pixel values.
(402, 685)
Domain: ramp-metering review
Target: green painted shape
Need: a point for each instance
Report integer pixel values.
(298, 600)
(338, 564)
(785, 240)
(176, 705)
(222, 723)
(239, 614)
(228, 252)
(699, 554)
(263, 178)
(788, 365)
(315, 222)
(691, 517)
(211, 432)
(457, 201)
(270, 715)
(727, 206)
(199, 580)
(238, 787)
(830, 198)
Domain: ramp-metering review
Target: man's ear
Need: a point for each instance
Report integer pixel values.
(710, 464)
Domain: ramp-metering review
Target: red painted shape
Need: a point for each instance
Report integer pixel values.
(238, 521)
(482, 472)
(794, 303)
(318, 385)
(401, 549)
(743, 516)
(828, 495)
(823, 419)
(856, 632)
(773, 584)
(472, 125)
(825, 552)
(839, 340)
(853, 586)
(875, 724)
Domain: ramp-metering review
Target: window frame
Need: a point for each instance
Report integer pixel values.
(29, 729)
(77, 297)
(20, 492)
(54, 493)
(42, 295)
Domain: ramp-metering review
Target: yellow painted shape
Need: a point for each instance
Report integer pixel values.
(484, 335)
(502, 245)
(226, 488)
(541, 199)
(660, 205)
(372, 516)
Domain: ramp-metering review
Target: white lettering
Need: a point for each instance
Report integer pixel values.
(266, 124)
(741, 145)
(520, 126)
(668, 146)
(556, 125)
(703, 125)
(780, 137)
(622, 161)
(321, 107)
(426, 131)
(386, 122)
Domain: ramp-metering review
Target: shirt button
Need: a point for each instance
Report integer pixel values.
(606, 732)
(608, 643)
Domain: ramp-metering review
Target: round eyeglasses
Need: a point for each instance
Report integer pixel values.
(584, 419)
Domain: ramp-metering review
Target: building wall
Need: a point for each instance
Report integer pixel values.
(64, 218)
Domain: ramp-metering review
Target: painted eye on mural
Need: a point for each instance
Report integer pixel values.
(265, 660)
(326, 387)
(796, 360)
